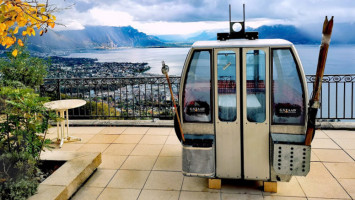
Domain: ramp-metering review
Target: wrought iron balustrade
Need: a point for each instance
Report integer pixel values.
(337, 96)
(116, 98)
(149, 97)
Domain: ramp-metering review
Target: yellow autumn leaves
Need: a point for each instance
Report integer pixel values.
(26, 15)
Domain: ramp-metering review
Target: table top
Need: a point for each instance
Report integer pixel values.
(64, 104)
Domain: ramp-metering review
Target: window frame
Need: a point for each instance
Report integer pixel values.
(302, 123)
(211, 88)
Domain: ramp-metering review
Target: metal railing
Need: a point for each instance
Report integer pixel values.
(149, 97)
(337, 96)
(116, 98)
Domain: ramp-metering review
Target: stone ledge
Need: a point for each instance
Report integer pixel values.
(170, 123)
(336, 125)
(148, 123)
(64, 182)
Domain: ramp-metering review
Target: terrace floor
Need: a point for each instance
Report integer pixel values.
(145, 163)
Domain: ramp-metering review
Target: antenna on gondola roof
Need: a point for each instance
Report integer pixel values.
(237, 29)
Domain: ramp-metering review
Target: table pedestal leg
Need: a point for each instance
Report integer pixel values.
(62, 122)
(58, 115)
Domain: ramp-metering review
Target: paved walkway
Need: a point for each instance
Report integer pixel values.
(145, 163)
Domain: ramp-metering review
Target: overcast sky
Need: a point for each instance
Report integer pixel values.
(161, 17)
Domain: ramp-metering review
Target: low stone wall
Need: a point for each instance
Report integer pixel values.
(170, 123)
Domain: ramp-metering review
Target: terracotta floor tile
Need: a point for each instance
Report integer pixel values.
(87, 193)
(159, 131)
(159, 180)
(67, 147)
(196, 184)
(173, 132)
(158, 194)
(340, 134)
(320, 135)
(84, 130)
(291, 188)
(132, 179)
(119, 194)
(102, 139)
(324, 144)
(341, 170)
(147, 150)
(113, 130)
(128, 139)
(153, 139)
(314, 157)
(139, 162)
(349, 185)
(84, 138)
(172, 139)
(171, 150)
(120, 149)
(332, 155)
(351, 152)
(319, 183)
(242, 186)
(283, 198)
(185, 195)
(93, 148)
(165, 163)
(100, 178)
(136, 130)
(111, 161)
(345, 143)
(230, 196)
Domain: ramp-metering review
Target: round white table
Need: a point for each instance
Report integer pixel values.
(61, 108)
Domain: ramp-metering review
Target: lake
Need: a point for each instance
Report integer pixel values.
(341, 58)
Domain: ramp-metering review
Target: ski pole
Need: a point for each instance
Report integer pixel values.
(165, 70)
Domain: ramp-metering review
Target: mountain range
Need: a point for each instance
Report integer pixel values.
(107, 37)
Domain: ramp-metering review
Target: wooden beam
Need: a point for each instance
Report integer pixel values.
(270, 187)
(214, 183)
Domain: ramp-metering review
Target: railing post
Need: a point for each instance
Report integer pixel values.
(59, 96)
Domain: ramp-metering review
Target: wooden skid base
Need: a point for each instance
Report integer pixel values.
(214, 183)
(270, 187)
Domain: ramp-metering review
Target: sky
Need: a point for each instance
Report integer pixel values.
(170, 17)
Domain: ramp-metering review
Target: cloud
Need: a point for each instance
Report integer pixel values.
(187, 16)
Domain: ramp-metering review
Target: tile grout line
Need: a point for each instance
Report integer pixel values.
(329, 170)
(150, 171)
(340, 147)
(121, 164)
(337, 181)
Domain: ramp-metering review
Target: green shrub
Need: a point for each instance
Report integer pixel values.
(17, 177)
(21, 141)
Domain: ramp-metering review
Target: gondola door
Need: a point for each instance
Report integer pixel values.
(227, 113)
(256, 113)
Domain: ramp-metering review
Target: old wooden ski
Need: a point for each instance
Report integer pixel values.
(314, 103)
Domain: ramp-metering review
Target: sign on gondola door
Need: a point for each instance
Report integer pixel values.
(227, 111)
(255, 118)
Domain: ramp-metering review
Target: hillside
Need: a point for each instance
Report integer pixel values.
(93, 37)
(106, 37)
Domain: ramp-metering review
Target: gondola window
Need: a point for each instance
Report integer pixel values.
(227, 99)
(287, 91)
(197, 93)
(255, 78)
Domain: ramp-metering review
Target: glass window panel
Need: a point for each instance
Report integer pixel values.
(255, 75)
(287, 91)
(226, 77)
(197, 93)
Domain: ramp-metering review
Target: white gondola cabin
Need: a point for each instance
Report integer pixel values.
(243, 109)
